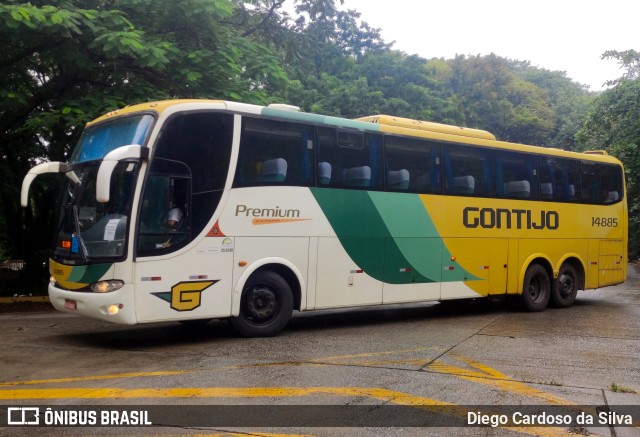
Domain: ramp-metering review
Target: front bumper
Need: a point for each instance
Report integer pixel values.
(115, 307)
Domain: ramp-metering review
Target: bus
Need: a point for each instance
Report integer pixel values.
(276, 210)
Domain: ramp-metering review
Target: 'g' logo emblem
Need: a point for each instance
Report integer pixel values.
(185, 296)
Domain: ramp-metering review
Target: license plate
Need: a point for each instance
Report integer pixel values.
(70, 304)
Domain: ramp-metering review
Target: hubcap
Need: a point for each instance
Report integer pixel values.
(260, 304)
(535, 289)
(566, 285)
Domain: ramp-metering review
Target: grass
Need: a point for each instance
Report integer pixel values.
(621, 389)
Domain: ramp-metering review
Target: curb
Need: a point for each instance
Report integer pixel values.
(19, 299)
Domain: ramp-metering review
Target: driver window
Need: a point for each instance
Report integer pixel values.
(164, 216)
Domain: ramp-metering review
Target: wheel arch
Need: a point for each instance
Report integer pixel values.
(535, 259)
(282, 267)
(578, 264)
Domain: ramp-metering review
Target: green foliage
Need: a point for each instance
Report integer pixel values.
(64, 63)
(613, 125)
(490, 95)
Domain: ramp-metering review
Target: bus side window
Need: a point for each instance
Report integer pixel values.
(412, 165)
(348, 159)
(558, 179)
(516, 176)
(590, 191)
(467, 171)
(547, 182)
(274, 153)
(611, 179)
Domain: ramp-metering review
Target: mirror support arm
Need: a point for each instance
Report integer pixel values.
(44, 168)
(109, 163)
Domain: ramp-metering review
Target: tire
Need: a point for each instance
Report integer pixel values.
(266, 305)
(537, 288)
(565, 287)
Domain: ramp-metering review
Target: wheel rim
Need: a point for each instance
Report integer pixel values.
(566, 285)
(261, 304)
(536, 289)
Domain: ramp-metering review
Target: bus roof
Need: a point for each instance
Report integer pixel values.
(429, 126)
(375, 123)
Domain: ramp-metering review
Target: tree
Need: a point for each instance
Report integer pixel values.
(613, 125)
(63, 65)
(491, 96)
(568, 100)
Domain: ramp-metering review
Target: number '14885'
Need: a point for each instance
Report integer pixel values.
(604, 222)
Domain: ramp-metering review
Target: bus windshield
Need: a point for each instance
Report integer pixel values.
(101, 139)
(87, 229)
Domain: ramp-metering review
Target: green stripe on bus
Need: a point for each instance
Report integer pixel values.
(388, 235)
(88, 274)
(306, 117)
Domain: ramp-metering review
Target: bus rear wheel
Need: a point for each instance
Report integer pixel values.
(537, 288)
(565, 287)
(266, 305)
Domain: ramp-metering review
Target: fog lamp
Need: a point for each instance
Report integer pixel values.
(112, 310)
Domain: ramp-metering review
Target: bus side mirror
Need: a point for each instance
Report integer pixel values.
(109, 163)
(44, 168)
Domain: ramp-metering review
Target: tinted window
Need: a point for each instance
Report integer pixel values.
(348, 159)
(188, 170)
(98, 140)
(590, 183)
(274, 153)
(412, 165)
(611, 181)
(467, 171)
(516, 175)
(558, 179)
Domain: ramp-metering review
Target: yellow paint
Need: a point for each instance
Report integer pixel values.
(475, 372)
(92, 378)
(488, 376)
(157, 107)
(476, 247)
(187, 296)
(381, 394)
(429, 126)
(61, 273)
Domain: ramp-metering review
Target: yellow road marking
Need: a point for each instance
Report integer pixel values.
(93, 378)
(489, 376)
(381, 394)
(482, 374)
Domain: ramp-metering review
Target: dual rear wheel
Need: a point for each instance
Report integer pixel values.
(539, 289)
(267, 301)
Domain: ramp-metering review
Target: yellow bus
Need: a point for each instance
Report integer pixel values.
(190, 210)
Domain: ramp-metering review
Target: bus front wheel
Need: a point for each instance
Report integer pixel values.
(565, 288)
(537, 288)
(266, 305)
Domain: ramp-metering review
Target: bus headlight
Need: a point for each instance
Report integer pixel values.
(107, 286)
